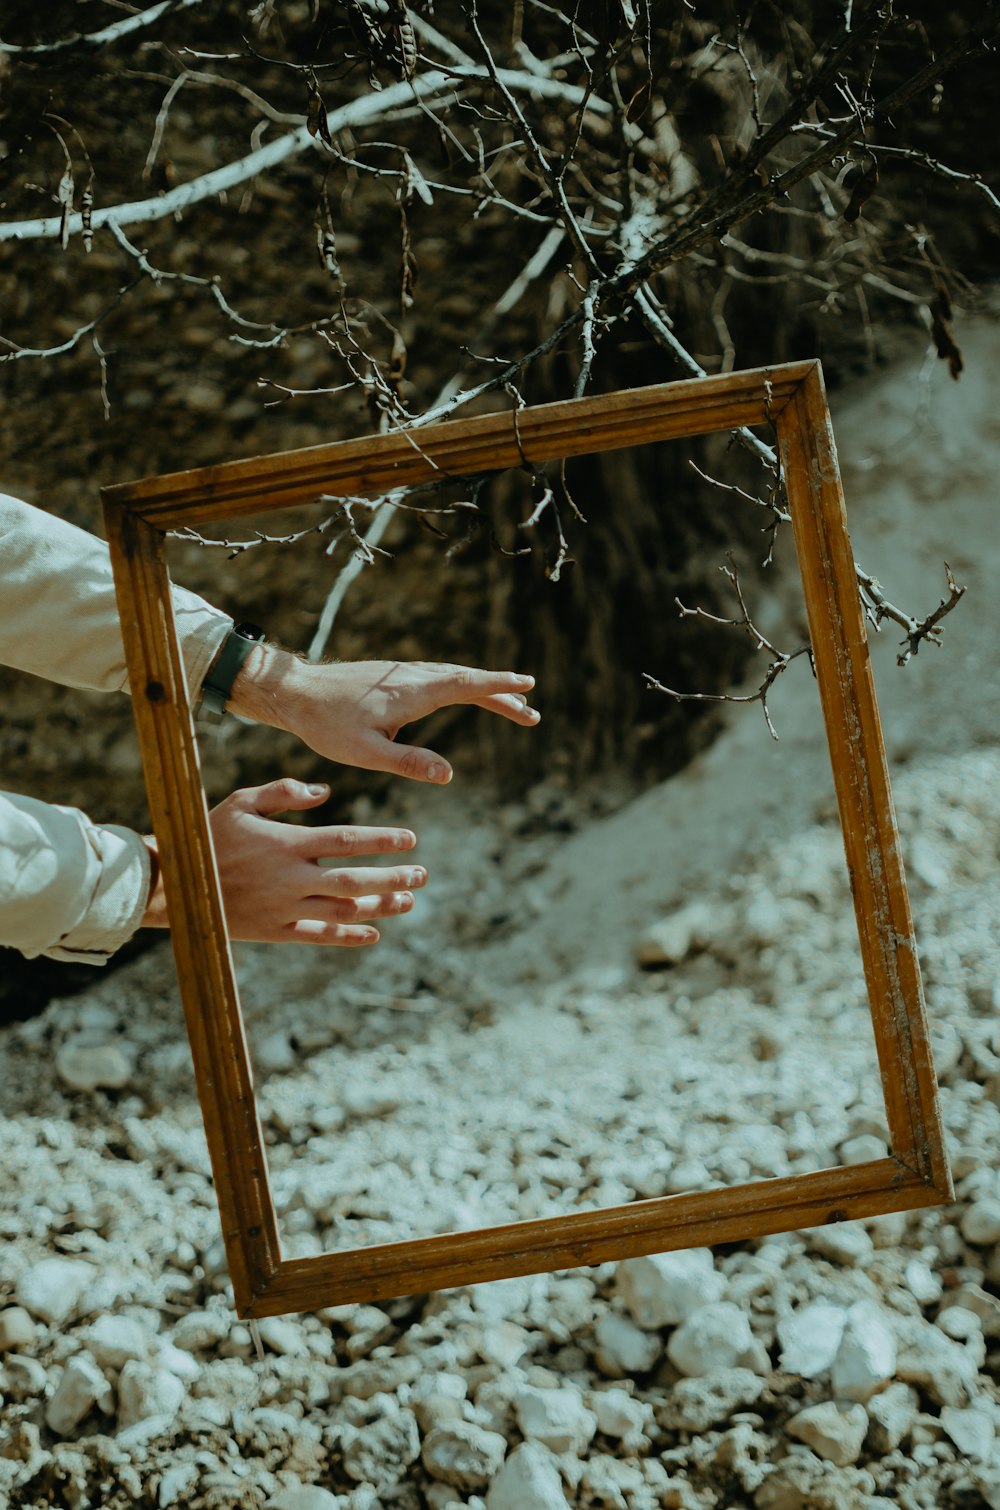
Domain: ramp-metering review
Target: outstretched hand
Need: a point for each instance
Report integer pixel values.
(274, 888)
(352, 711)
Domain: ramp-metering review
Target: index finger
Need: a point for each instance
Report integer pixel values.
(469, 684)
(338, 840)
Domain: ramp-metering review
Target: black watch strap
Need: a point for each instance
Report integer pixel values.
(217, 687)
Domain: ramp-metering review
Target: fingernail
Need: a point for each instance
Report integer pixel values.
(525, 681)
(439, 772)
(416, 877)
(317, 789)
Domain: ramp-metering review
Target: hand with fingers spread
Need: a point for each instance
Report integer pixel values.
(352, 711)
(273, 886)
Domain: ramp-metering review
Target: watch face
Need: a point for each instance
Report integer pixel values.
(249, 631)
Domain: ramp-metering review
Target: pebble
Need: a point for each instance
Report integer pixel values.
(972, 1431)
(113, 1340)
(81, 1388)
(619, 1415)
(87, 1066)
(716, 1337)
(833, 1432)
(17, 1330)
(622, 1348)
(921, 1281)
(23, 1377)
(844, 1243)
(665, 1288)
(379, 1454)
(51, 1289)
(866, 1357)
(176, 1484)
(810, 1338)
(672, 939)
(980, 1223)
(200, 1330)
(306, 1497)
(947, 1371)
(557, 1418)
(528, 1480)
(144, 1390)
(463, 1454)
(891, 1415)
(283, 1336)
(959, 1323)
(696, 1404)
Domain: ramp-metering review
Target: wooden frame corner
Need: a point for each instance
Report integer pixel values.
(140, 515)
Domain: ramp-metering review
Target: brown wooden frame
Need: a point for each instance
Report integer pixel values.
(140, 514)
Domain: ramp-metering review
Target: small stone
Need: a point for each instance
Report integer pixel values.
(972, 1432)
(716, 1337)
(619, 1415)
(51, 1289)
(113, 1340)
(200, 1330)
(984, 1305)
(81, 1388)
(833, 1432)
(23, 1377)
(282, 1336)
(622, 1348)
(504, 1343)
(981, 1222)
(144, 1391)
(176, 1484)
(17, 1330)
(957, 1322)
(672, 939)
(945, 1370)
(866, 1358)
(891, 1415)
(557, 1418)
(380, 1453)
(363, 1100)
(810, 1338)
(528, 1480)
(844, 1243)
(922, 1283)
(696, 1404)
(307, 1497)
(664, 1289)
(87, 1066)
(463, 1454)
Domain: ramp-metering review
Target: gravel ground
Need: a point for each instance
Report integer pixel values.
(567, 1036)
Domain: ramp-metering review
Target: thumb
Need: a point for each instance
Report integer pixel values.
(285, 796)
(418, 764)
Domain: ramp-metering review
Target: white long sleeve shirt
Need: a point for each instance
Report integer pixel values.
(70, 888)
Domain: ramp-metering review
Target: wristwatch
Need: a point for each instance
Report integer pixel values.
(217, 687)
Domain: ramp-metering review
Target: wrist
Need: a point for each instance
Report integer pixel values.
(266, 687)
(155, 915)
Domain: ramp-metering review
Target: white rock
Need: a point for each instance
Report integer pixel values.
(51, 1289)
(697, 1404)
(622, 1348)
(557, 1418)
(113, 1340)
(665, 1288)
(618, 1414)
(957, 1322)
(972, 1432)
(81, 1388)
(176, 1483)
(200, 1330)
(463, 1454)
(866, 1358)
(833, 1432)
(282, 1336)
(175, 1359)
(379, 1454)
(17, 1330)
(984, 1305)
(948, 1371)
(528, 1480)
(842, 1242)
(810, 1338)
(144, 1390)
(891, 1415)
(672, 939)
(716, 1337)
(921, 1281)
(85, 1066)
(307, 1497)
(981, 1222)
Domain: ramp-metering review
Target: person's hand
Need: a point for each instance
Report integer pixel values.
(273, 886)
(351, 711)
